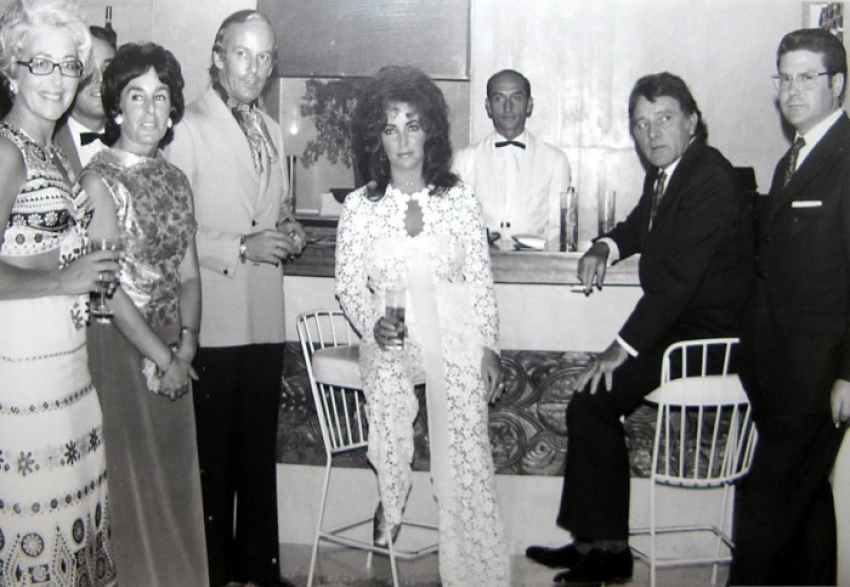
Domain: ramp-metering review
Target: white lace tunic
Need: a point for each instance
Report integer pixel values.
(451, 316)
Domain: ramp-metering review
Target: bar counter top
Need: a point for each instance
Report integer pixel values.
(531, 267)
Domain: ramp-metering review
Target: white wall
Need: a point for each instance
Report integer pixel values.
(583, 57)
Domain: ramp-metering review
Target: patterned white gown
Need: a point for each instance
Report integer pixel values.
(54, 515)
(451, 317)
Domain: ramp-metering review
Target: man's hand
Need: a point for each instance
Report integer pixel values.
(295, 231)
(271, 246)
(605, 364)
(592, 266)
(840, 402)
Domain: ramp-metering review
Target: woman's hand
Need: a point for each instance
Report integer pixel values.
(491, 373)
(390, 333)
(81, 275)
(175, 380)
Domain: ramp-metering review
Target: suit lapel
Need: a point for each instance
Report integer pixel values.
(229, 130)
(674, 184)
(822, 156)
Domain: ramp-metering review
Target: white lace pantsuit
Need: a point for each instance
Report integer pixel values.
(451, 318)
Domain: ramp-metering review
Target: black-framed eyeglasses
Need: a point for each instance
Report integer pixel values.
(806, 81)
(42, 66)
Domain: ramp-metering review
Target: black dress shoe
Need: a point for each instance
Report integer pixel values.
(564, 557)
(599, 566)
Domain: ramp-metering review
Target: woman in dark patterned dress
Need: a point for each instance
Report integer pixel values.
(142, 361)
(54, 516)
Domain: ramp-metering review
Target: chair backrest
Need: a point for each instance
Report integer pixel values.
(341, 411)
(704, 432)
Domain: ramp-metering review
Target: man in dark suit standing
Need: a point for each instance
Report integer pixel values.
(694, 235)
(796, 342)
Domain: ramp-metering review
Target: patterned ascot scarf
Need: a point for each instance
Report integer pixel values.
(254, 127)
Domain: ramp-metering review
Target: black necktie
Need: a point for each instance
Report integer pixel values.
(500, 144)
(90, 137)
(657, 194)
(791, 164)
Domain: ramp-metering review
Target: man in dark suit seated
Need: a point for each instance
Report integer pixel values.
(694, 235)
(795, 342)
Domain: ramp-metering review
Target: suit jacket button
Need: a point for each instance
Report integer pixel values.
(253, 223)
(762, 274)
(766, 239)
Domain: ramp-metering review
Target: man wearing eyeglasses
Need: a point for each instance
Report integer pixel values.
(796, 339)
(78, 135)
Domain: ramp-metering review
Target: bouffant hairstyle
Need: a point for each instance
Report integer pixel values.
(134, 60)
(401, 85)
(23, 16)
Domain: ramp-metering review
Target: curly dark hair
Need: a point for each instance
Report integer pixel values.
(131, 61)
(401, 85)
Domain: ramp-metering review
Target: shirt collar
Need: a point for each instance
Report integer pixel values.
(816, 133)
(522, 137)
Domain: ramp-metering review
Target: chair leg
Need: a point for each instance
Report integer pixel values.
(321, 517)
(393, 566)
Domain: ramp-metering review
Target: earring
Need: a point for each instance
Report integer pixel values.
(119, 119)
(170, 123)
(13, 86)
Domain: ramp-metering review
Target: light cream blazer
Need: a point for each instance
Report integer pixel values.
(242, 303)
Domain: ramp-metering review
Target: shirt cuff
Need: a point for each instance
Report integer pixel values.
(629, 348)
(613, 249)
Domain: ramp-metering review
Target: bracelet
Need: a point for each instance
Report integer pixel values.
(243, 249)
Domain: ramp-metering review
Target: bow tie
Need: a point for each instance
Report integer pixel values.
(90, 137)
(500, 144)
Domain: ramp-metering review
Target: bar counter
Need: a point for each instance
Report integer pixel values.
(517, 267)
(540, 305)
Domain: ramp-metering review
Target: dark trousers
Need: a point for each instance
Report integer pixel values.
(595, 497)
(237, 398)
(785, 530)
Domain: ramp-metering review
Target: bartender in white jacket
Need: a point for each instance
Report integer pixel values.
(517, 178)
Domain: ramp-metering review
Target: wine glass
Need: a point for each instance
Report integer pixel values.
(100, 310)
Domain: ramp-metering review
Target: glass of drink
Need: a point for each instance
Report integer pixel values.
(396, 299)
(100, 310)
(569, 220)
(607, 210)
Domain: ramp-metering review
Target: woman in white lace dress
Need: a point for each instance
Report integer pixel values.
(415, 225)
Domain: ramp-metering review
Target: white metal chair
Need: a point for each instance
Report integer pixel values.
(704, 438)
(331, 353)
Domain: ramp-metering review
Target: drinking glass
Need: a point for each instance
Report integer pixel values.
(607, 210)
(100, 310)
(569, 220)
(396, 298)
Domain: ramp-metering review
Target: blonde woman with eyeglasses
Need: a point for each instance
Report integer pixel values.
(54, 519)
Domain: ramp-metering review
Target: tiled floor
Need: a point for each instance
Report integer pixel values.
(347, 568)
